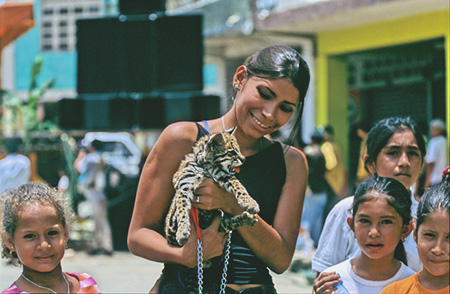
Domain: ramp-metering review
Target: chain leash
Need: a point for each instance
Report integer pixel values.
(200, 266)
(223, 282)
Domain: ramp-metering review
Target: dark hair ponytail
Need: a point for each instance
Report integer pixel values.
(400, 252)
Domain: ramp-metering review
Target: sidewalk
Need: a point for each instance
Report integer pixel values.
(126, 273)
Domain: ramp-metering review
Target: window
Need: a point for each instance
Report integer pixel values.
(58, 21)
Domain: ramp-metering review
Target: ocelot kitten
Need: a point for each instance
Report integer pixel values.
(215, 156)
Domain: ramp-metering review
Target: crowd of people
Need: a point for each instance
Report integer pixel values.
(384, 239)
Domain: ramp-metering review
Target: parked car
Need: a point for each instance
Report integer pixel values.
(119, 150)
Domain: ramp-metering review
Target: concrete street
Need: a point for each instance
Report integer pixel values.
(126, 273)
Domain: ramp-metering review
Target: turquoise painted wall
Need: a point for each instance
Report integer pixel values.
(59, 65)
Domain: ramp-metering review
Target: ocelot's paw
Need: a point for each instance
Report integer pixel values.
(231, 223)
(183, 233)
(250, 205)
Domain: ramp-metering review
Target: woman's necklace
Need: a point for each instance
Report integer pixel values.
(229, 130)
(223, 125)
(48, 289)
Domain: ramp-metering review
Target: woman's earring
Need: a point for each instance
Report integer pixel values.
(236, 86)
(11, 250)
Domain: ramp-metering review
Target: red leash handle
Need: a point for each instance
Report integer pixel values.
(194, 213)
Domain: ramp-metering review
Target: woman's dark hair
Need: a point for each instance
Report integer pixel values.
(282, 62)
(383, 130)
(396, 195)
(435, 199)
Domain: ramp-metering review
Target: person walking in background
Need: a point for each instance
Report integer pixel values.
(92, 170)
(363, 128)
(437, 156)
(396, 149)
(335, 174)
(15, 168)
(318, 189)
(269, 89)
(35, 223)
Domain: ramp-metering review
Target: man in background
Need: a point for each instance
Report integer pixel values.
(15, 168)
(437, 153)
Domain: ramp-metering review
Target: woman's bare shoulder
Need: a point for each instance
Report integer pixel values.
(294, 156)
(180, 131)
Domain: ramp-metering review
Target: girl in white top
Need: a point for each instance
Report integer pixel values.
(380, 221)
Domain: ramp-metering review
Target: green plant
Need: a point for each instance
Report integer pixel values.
(24, 116)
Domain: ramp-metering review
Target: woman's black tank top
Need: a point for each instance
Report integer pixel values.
(263, 175)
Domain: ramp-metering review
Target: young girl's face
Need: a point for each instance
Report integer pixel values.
(400, 159)
(40, 238)
(432, 238)
(378, 228)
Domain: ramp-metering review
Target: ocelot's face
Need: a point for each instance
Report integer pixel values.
(264, 105)
(229, 155)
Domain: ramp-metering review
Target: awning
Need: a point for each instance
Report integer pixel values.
(16, 18)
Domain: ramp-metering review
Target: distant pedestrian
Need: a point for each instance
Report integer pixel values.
(336, 173)
(15, 168)
(437, 156)
(92, 171)
(35, 222)
(318, 188)
(363, 128)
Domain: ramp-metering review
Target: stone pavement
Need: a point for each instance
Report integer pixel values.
(126, 273)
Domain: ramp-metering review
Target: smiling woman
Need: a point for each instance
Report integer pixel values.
(268, 89)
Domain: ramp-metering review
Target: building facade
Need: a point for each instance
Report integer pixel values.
(369, 58)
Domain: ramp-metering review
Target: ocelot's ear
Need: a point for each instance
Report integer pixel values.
(216, 140)
(232, 130)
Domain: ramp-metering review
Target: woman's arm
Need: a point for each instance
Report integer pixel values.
(154, 195)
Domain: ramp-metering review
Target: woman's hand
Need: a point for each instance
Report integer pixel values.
(212, 196)
(325, 283)
(213, 243)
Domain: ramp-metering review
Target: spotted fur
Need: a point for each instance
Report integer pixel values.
(215, 156)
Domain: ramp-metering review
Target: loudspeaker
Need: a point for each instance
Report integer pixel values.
(138, 54)
(141, 6)
(151, 111)
(139, 112)
(71, 114)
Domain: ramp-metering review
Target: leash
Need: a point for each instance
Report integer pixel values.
(195, 217)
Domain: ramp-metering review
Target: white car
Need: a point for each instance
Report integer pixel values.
(119, 150)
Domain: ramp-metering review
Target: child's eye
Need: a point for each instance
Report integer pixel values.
(53, 233)
(364, 221)
(414, 153)
(28, 236)
(386, 221)
(392, 153)
(429, 235)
